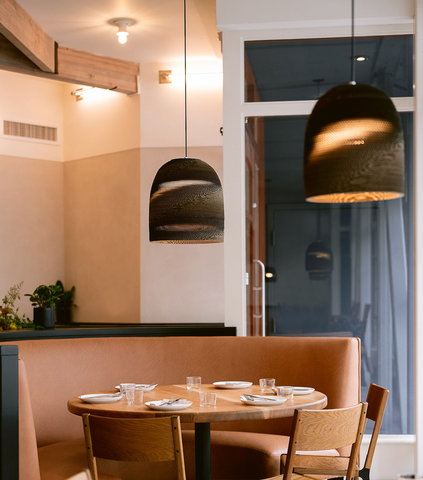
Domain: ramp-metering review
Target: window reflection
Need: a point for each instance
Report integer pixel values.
(367, 292)
(306, 69)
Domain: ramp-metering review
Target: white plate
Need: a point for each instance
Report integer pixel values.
(99, 398)
(145, 386)
(264, 400)
(232, 384)
(299, 390)
(303, 390)
(181, 405)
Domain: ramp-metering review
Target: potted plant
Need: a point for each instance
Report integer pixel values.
(9, 317)
(64, 305)
(44, 300)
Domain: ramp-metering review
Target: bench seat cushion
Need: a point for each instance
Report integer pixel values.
(241, 455)
(61, 460)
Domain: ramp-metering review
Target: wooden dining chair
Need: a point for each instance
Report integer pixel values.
(377, 398)
(320, 430)
(85, 475)
(133, 440)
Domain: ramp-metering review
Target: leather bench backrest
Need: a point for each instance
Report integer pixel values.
(28, 458)
(60, 369)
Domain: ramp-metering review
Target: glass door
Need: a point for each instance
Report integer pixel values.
(255, 228)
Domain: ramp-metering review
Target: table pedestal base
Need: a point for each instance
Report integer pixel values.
(202, 451)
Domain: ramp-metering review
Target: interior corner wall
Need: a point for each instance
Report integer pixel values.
(180, 283)
(102, 205)
(102, 236)
(31, 188)
(32, 233)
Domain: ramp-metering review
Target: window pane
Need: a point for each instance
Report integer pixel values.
(369, 291)
(306, 69)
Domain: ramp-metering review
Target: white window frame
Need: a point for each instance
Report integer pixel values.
(235, 110)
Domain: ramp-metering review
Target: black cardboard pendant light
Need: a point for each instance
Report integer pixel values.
(186, 198)
(319, 257)
(354, 147)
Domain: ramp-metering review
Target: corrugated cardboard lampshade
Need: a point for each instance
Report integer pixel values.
(186, 203)
(354, 147)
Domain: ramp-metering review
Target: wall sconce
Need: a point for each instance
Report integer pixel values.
(122, 24)
(79, 93)
(165, 76)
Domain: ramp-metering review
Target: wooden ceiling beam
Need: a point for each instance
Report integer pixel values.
(97, 71)
(74, 66)
(25, 34)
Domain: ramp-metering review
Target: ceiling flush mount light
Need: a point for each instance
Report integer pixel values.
(122, 24)
(354, 147)
(186, 198)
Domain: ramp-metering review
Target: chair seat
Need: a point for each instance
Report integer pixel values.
(240, 455)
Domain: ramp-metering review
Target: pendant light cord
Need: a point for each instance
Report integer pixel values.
(185, 75)
(352, 82)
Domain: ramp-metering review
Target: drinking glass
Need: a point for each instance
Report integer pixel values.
(287, 392)
(193, 383)
(128, 391)
(139, 394)
(267, 385)
(207, 399)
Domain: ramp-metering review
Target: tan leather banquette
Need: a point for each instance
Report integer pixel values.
(52, 371)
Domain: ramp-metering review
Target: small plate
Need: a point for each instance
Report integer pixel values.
(181, 405)
(99, 398)
(262, 402)
(145, 386)
(303, 390)
(299, 390)
(232, 384)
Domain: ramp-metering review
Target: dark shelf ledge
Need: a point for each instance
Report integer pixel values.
(121, 330)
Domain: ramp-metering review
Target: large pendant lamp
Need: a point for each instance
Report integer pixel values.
(354, 147)
(186, 198)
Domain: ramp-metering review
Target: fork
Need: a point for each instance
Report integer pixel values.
(171, 401)
(252, 397)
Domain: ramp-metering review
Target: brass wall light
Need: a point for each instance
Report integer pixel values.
(186, 198)
(79, 93)
(354, 147)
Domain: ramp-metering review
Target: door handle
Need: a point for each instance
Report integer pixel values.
(263, 295)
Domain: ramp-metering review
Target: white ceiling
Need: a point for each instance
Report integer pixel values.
(156, 37)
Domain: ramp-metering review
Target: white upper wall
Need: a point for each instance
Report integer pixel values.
(268, 14)
(162, 105)
(103, 122)
(31, 100)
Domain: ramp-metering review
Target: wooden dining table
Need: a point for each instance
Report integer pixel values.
(228, 408)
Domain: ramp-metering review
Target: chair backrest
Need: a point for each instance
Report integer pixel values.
(325, 430)
(377, 398)
(85, 475)
(133, 440)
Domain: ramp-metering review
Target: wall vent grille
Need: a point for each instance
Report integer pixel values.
(29, 131)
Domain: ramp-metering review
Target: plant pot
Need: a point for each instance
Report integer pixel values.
(44, 316)
(63, 316)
